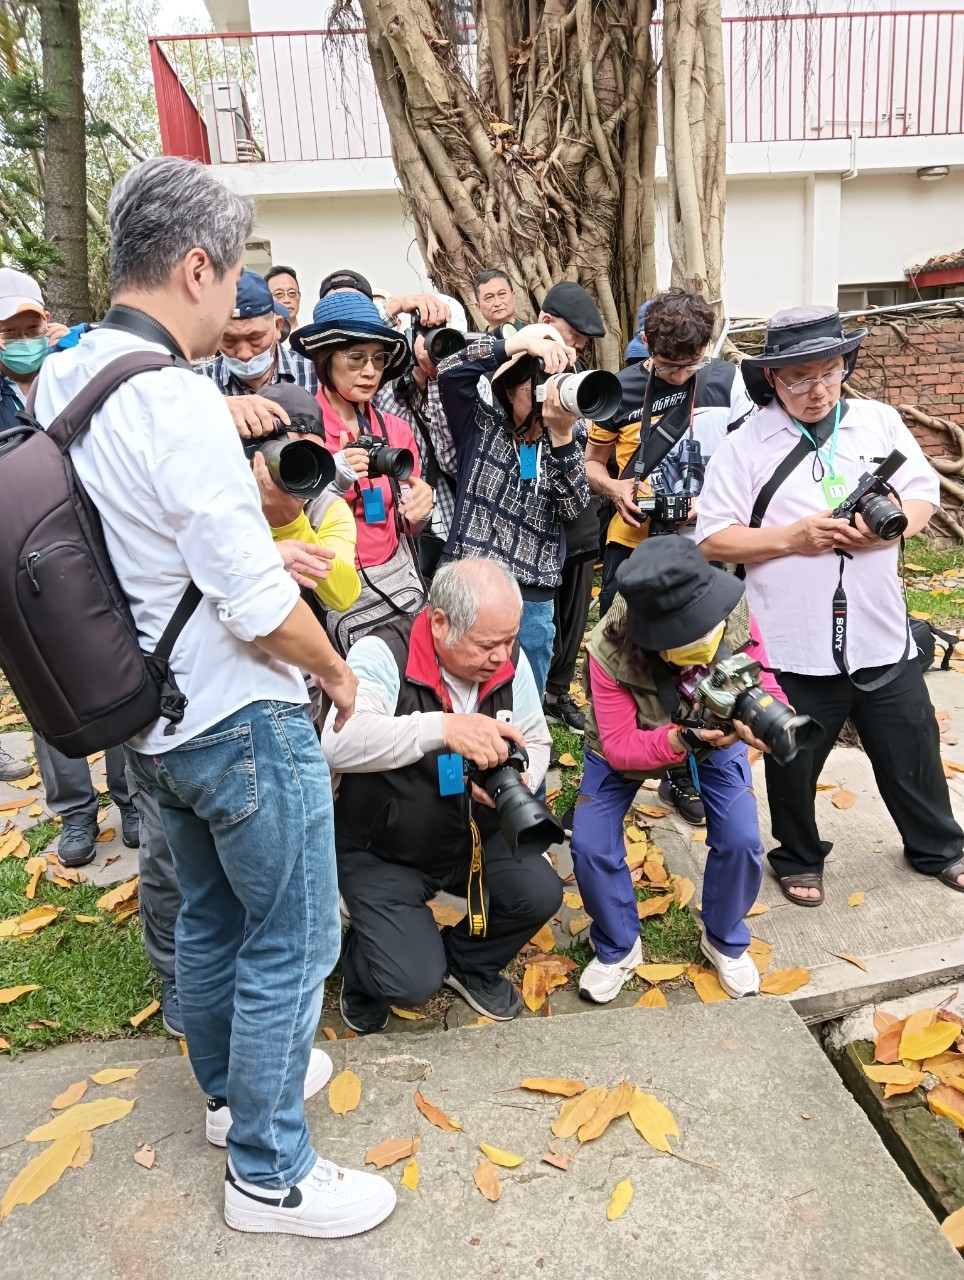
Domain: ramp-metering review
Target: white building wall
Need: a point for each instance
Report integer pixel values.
(890, 221)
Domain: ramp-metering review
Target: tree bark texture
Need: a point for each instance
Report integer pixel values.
(540, 159)
(65, 159)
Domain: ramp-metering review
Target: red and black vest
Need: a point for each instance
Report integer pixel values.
(398, 814)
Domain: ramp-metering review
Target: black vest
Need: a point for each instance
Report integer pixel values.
(398, 814)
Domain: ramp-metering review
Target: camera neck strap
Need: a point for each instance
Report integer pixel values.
(656, 442)
(131, 320)
(839, 639)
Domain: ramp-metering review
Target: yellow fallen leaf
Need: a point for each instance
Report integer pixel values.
(654, 871)
(9, 806)
(435, 1115)
(842, 955)
(344, 1093)
(329, 1033)
(145, 1156)
(26, 784)
(654, 906)
(87, 1115)
(758, 909)
(781, 982)
(40, 1174)
(683, 890)
(653, 999)
(918, 1020)
(761, 953)
(87, 919)
(928, 1041)
(9, 994)
(953, 1228)
(659, 972)
(653, 1120)
(950, 1062)
(115, 897)
(487, 1180)
(578, 923)
(855, 899)
(895, 1074)
(504, 1158)
(569, 761)
(843, 799)
(619, 1200)
(112, 1074)
(635, 835)
(9, 841)
(545, 939)
(183, 1043)
(651, 811)
(556, 1085)
(69, 1096)
(148, 1011)
(537, 982)
(445, 916)
(35, 919)
(35, 868)
(4, 1043)
(614, 1105)
(577, 1111)
(698, 836)
(35, 811)
(707, 986)
(391, 1151)
(945, 1101)
(84, 1151)
(410, 1176)
(572, 900)
(408, 1014)
(105, 837)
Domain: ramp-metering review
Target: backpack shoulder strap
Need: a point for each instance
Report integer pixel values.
(783, 471)
(75, 418)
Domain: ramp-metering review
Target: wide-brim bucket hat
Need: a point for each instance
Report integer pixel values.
(673, 594)
(800, 335)
(522, 363)
(342, 318)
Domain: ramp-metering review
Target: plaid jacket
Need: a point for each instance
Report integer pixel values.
(408, 402)
(497, 514)
(289, 367)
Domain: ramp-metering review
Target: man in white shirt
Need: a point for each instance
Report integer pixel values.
(825, 591)
(243, 789)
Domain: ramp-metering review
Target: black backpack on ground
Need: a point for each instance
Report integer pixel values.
(68, 644)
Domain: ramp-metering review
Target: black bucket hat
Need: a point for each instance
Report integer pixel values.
(797, 336)
(673, 594)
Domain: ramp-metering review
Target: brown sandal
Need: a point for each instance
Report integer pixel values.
(807, 880)
(950, 873)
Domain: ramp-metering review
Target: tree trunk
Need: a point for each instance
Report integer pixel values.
(65, 157)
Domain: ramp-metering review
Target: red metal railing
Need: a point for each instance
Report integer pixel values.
(293, 96)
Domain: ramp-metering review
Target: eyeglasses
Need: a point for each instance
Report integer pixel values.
(289, 295)
(358, 360)
(662, 369)
(804, 388)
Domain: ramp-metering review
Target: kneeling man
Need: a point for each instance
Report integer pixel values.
(448, 686)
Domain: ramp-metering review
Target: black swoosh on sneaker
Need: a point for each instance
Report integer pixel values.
(292, 1198)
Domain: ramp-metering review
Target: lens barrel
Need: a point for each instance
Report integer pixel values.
(442, 342)
(593, 394)
(300, 467)
(386, 461)
(881, 516)
(772, 721)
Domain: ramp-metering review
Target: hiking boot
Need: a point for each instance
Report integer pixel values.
(13, 770)
(130, 825)
(171, 1011)
(677, 789)
(738, 975)
(564, 711)
(330, 1202)
(494, 998)
(217, 1121)
(603, 982)
(76, 845)
(366, 1024)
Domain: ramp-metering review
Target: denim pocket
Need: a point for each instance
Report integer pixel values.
(215, 775)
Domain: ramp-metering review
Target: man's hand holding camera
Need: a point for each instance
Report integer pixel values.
(481, 740)
(256, 416)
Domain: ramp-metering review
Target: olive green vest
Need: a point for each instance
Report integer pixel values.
(641, 681)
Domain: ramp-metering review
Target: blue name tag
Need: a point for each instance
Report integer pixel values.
(451, 775)
(528, 462)
(374, 504)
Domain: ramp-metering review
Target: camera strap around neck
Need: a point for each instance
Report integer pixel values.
(656, 442)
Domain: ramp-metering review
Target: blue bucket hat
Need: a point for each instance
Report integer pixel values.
(342, 318)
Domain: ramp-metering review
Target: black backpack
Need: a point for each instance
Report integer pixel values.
(68, 644)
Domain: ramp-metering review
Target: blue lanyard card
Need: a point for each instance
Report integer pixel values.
(451, 775)
(373, 501)
(528, 462)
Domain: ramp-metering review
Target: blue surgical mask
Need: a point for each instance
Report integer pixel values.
(256, 367)
(24, 355)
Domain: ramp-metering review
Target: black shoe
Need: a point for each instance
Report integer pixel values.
(13, 770)
(76, 846)
(364, 1024)
(565, 712)
(678, 790)
(130, 825)
(494, 998)
(171, 1010)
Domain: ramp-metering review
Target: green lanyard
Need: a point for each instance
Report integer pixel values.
(828, 460)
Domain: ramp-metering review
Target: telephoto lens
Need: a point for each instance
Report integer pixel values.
(594, 394)
(881, 516)
(300, 467)
(383, 460)
(440, 343)
(774, 723)
(528, 826)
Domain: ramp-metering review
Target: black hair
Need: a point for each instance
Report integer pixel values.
(280, 271)
(484, 277)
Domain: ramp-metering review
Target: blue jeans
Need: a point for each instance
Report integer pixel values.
(537, 634)
(247, 810)
(734, 862)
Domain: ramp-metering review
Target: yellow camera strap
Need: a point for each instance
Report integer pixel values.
(476, 894)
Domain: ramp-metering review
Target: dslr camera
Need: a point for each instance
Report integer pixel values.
(528, 825)
(732, 691)
(870, 500)
(439, 342)
(300, 467)
(593, 393)
(664, 509)
(383, 460)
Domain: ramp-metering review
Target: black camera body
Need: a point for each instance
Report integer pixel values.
(528, 825)
(439, 342)
(870, 500)
(300, 467)
(665, 508)
(383, 460)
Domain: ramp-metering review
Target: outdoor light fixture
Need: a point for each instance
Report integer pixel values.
(933, 172)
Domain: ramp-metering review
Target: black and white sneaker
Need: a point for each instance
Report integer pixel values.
(494, 998)
(678, 790)
(329, 1202)
(355, 1019)
(217, 1119)
(565, 712)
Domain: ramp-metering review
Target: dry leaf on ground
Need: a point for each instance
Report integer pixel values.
(148, 1011)
(344, 1093)
(504, 1158)
(145, 1156)
(946, 1101)
(655, 872)
(619, 1200)
(660, 972)
(329, 1033)
(577, 1111)
(27, 784)
(842, 955)
(557, 1085)
(651, 811)
(568, 761)
(545, 939)
(40, 1174)
(69, 1096)
(843, 799)
(573, 900)
(445, 915)
(653, 1120)
(653, 999)
(88, 1115)
(409, 1015)
(953, 1228)
(929, 1040)
(87, 919)
(556, 1160)
(896, 1074)
(35, 868)
(919, 1019)
(578, 923)
(9, 994)
(435, 1115)
(84, 1151)
(616, 1104)
(4, 1043)
(537, 981)
(487, 1180)
(391, 1151)
(855, 899)
(761, 953)
(706, 983)
(883, 1020)
(683, 890)
(410, 1176)
(887, 1044)
(758, 909)
(781, 982)
(654, 907)
(112, 1074)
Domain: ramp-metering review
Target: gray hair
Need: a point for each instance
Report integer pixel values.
(459, 588)
(161, 210)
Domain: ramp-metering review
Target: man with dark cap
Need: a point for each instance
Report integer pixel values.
(826, 590)
(251, 359)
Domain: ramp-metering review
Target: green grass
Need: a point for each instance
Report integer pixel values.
(673, 938)
(934, 560)
(567, 742)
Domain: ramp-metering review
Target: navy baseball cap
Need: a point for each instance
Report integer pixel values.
(254, 298)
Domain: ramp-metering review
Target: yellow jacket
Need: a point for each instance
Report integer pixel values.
(336, 532)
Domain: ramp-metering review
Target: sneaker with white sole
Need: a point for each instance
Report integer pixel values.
(218, 1119)
(738, 975)
(329, 1203)
(603, 982)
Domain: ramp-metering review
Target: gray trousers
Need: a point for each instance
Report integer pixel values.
(159, 893)
(70, 792)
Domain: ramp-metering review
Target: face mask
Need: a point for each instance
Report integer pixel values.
(253, 368)
(24, 355)
(700, 652)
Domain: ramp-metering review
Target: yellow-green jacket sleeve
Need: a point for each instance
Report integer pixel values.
(336, 533)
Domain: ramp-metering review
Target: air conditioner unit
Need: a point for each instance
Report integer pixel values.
(226, 116)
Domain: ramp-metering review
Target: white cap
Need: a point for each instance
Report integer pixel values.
(18, 292)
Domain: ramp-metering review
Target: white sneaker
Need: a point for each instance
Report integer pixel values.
(738, 974)
(218, 1119)
(329, 1202)
(603, 982)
